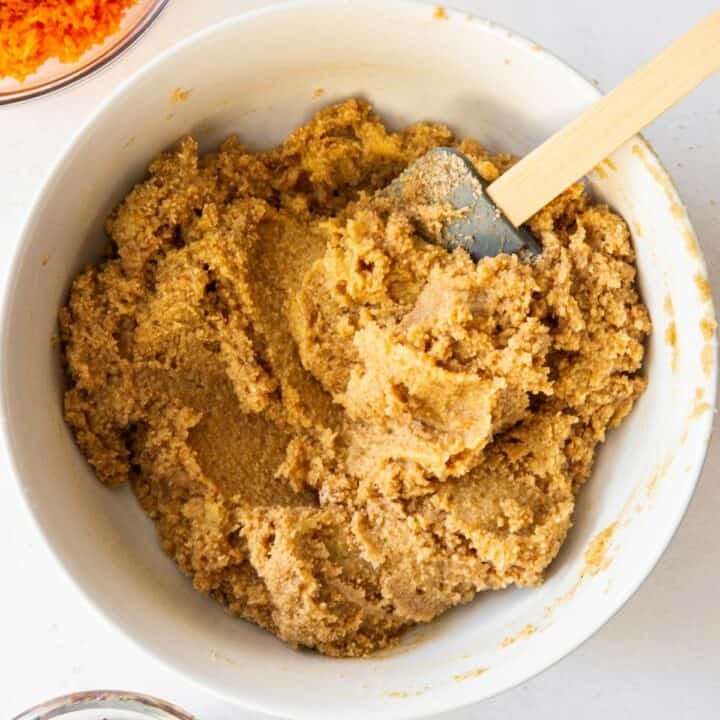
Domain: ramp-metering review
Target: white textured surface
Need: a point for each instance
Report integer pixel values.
(659, 657)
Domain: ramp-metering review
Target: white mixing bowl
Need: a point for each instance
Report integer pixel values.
(259, 75)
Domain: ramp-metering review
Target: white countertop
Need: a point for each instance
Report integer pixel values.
(658, 658)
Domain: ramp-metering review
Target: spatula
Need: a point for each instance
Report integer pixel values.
(490, 217)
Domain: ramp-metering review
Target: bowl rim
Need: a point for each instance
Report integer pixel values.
(138, 703)
(429, 704)
(106, 58)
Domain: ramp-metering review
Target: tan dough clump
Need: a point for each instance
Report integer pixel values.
(339, 429)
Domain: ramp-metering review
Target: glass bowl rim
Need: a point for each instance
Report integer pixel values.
(143, 705)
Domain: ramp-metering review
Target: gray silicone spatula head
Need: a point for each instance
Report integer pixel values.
(445, 177)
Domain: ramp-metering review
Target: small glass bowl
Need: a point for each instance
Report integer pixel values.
(54, 75)
(105, 705)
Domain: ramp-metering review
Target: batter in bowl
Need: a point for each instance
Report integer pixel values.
(339, 429)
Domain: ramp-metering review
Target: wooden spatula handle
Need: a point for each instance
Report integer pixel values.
(576, 149)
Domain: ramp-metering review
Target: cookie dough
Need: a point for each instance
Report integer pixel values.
(339, 429)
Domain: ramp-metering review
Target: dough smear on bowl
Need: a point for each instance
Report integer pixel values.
(339, 429)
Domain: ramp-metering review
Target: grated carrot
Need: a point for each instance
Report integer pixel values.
(32, 31)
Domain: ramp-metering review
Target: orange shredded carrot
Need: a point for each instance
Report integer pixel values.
(32, 31)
